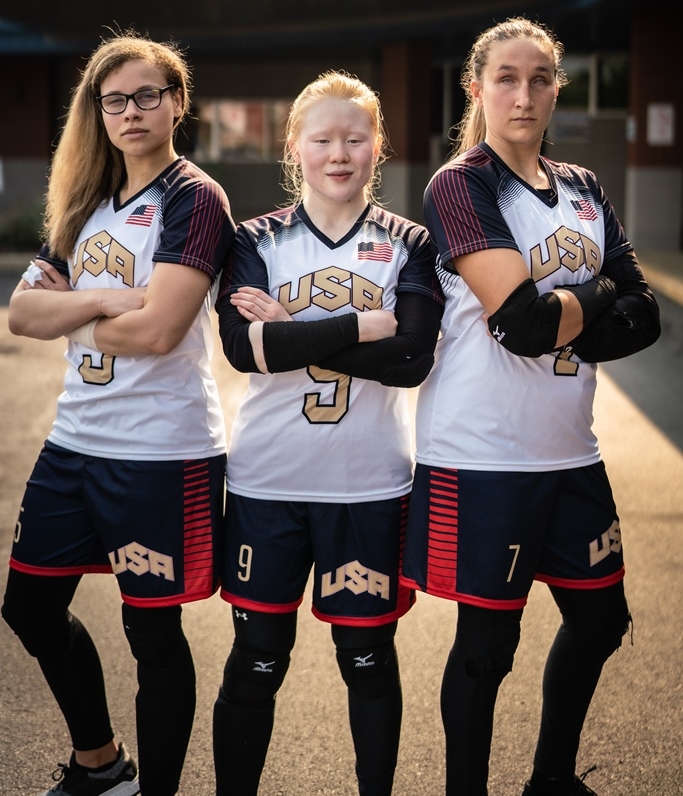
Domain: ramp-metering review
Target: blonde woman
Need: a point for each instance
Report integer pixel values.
(131, 477)
(540, 284)
(330, 304)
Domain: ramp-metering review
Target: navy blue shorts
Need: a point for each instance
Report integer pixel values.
(483, 537)
(354, 548)
(154, 524)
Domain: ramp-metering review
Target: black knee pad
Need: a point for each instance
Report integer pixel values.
(607, 633)
(370, 672)
(41, 634)
(487, 641)
(37, 610)
(597, 619)
(154, 634)
(253, 677)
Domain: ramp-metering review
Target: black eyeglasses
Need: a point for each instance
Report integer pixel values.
(147, 99)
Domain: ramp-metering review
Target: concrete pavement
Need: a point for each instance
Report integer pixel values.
(633, 732)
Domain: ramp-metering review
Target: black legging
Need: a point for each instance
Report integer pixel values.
(593, 623)
(245, 707)
(37, 609)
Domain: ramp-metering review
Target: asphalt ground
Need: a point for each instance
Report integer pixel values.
(634, 730)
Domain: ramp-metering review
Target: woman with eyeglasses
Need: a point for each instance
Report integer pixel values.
(131, 477)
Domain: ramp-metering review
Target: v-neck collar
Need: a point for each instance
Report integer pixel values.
(118, 205)
(546, 195)
(331, 244)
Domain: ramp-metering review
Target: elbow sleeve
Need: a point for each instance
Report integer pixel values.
(526, 324)
(631, 325)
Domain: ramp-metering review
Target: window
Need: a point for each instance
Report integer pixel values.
(239, 131)
(596, 83)
(613, 82)
(576, 94)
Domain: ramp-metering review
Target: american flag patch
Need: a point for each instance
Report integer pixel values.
(142, 216)
(584, 209)
(369, 250)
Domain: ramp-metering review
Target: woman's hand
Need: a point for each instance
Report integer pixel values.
(376, 325)
(256, 305)
(49, 278)
(116, 302)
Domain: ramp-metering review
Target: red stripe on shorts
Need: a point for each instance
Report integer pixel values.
(442, 553)
(198, 544)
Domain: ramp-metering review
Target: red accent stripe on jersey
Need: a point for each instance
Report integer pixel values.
(206, 225)
(198, 535)
(454, 206)
(442, 551)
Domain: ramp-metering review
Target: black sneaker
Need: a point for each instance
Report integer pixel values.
(580, 787)
(114, 779)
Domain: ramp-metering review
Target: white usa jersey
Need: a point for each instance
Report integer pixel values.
(313, 434)
(147, 407)
(481, 407)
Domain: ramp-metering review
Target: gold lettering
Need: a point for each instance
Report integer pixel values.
(599, 551)
(365, 294)
(78, 263)
(315, 410)
(121, 262)
(160, 564)
(540, 268)
(563, 364)
(330, 587)
(334, 294)
(378, 584)
(304, 299)
(137, 556)
(117, 559)
(614, 532)
(93, 374)
(96, 260)
(574, 256)
(591, 254)
(356, 572)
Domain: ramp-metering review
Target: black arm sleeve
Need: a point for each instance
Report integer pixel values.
(630, 324)
(287, 345)
(290, 345)
(400, 361)
(234, 332)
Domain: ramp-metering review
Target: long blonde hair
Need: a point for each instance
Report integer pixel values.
(335, 85)
(472, 129)
(86, 167)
